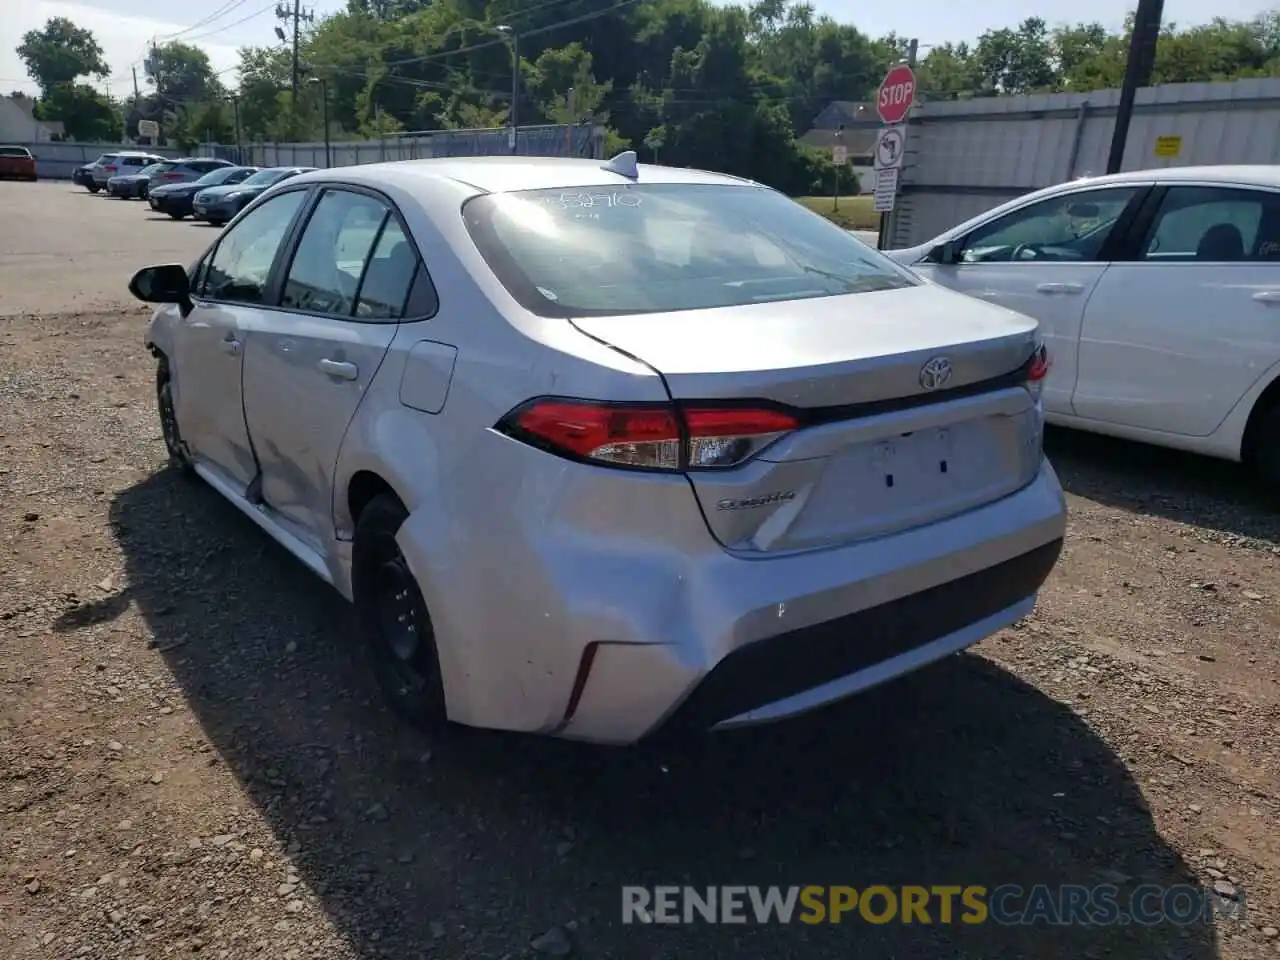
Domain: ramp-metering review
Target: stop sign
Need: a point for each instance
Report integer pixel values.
(897, 92)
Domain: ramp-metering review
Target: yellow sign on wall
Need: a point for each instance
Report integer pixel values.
(1169, 146)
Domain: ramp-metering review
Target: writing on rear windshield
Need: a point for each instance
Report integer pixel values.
(597, 200)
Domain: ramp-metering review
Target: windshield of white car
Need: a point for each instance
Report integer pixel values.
(646, 248)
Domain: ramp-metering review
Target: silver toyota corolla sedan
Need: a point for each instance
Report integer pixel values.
(600, 449)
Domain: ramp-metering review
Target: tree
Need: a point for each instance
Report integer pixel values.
(61, 53)
(698, 82)
(555, 73)
(264, 78)
(182, 73)
(85, 113)
(1016, 61)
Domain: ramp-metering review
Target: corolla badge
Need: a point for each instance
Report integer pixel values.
(767, 500)
(936, 373)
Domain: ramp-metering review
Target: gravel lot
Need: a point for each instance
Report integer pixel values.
(193, 757)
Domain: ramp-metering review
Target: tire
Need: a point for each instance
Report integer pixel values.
(177, 216)
(393, 618)
(1266, 448)
(178, 458)
(93, 187)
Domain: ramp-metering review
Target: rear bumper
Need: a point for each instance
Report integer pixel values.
(171, 204)
(598, 634)
(218, 212)
(794, 672)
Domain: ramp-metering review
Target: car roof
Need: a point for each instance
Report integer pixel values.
(504, 174)
(1260, 174)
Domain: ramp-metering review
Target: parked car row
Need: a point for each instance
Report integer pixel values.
(206, 188)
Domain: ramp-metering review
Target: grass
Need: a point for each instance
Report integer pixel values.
(853, 213)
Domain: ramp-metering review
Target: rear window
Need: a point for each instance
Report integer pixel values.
(646, 248)
(15, 152)
(155, 169)
(135, 161)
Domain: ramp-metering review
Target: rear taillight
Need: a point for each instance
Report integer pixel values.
(647, 436)
(1037, 369)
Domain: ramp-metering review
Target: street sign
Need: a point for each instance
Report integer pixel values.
(840, 155)
(148, 128)
(897, 93)
(886, 188)
(890, 143)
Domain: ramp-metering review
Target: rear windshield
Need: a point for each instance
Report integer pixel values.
(14, 152)
(659, 247)
(155, 168)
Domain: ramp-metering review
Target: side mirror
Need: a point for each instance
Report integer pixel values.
(946, 253)
(166, 283)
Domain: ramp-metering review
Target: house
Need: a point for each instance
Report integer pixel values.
(19, 125)
(859, 122)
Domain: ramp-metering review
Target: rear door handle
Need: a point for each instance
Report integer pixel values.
(1267, 296)
(232, 346)
(1067, 288)
(341, 369)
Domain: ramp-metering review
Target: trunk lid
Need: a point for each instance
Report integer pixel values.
(910, 401)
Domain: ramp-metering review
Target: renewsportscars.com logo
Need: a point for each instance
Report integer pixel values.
(1008, 904)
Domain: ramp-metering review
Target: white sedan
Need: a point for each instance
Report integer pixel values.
(1157, 293)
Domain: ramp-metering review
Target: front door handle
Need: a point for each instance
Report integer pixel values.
(1267, 296)
(232, 346)
(1066, 288)
(341, 369)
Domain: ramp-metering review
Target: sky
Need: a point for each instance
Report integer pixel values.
(124, 27)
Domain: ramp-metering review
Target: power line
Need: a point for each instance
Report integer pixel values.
(221, 11)
(227, 26)
(593, 15)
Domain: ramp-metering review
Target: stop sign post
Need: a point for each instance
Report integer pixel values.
(893, 102)
(897, 93)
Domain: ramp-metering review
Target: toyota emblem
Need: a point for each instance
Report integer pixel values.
(936, 373)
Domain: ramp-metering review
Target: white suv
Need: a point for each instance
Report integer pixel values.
(116, 164)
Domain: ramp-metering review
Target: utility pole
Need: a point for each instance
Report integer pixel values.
(235, 107)
(509, 31)
(137, 104)
(297, 10)
(297, 15)
(1137, 73)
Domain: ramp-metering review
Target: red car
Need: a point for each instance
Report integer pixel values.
(17, 163)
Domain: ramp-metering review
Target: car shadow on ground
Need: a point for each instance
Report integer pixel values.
(472, 843)
(1202, 491)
